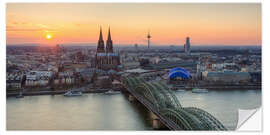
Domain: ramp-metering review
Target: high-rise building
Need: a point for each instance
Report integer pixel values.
(136, 47)
(187, 46)
(106, 59)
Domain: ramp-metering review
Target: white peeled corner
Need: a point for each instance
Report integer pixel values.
(249, 120)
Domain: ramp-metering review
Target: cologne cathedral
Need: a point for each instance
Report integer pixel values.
(106, 59)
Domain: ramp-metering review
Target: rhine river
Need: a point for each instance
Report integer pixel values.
(115, 112)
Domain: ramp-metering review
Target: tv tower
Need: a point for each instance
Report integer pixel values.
(148, 37)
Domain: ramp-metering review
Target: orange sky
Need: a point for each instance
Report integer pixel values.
(169, 24)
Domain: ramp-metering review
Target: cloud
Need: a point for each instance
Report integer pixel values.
(13, 28)
(19, 29)
(43, 26)
(10, 28)
(19, 23)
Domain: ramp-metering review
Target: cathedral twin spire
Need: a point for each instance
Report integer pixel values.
(109, 44)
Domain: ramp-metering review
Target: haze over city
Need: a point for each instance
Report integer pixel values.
(169, 24)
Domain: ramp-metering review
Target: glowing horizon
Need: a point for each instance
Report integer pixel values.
(169, 24)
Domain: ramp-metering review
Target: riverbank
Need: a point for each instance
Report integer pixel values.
(86, 89)
(227, 87)
(219, 87)
(56, 92)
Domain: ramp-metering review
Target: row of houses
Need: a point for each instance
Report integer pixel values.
(232, 77)
(14, 80)
(38, 78)
(17, 80)
(64, 78)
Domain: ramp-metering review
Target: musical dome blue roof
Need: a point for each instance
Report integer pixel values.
(179, 72)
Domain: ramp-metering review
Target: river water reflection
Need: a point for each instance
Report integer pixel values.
(114, 112)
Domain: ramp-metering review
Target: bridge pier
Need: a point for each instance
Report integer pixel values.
(156, 123)
(131, 98)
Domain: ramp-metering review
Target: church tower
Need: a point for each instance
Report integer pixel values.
(100, 47)
(106, 59)
(100, 56)
(109, 45)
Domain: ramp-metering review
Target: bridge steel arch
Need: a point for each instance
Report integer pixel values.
(181, 122)
(144, 91)
(171, 98)
(191, 119)
(168, 107)
(171, 93)
(206, 117)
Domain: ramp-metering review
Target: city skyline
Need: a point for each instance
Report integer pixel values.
(169, 24)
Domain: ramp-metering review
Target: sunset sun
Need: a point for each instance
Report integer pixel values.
(48, 36)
